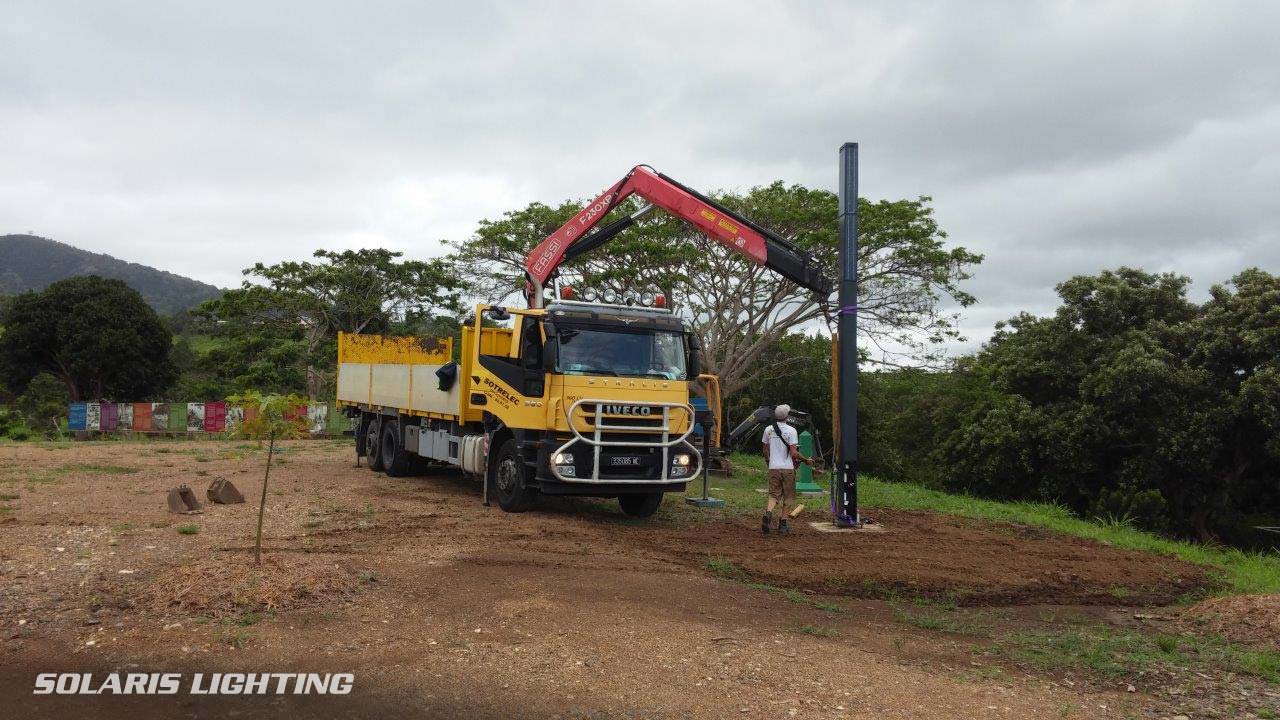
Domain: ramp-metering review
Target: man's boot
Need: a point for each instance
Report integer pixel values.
(765, 522)
(783, 527)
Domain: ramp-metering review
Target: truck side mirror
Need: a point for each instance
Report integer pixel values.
(550, 353)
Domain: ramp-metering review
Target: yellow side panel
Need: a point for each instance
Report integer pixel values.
(493, 341)
(374, 349)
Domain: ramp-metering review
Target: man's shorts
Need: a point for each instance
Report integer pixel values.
(782, 486)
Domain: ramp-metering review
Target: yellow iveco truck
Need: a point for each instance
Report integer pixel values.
(574, 398)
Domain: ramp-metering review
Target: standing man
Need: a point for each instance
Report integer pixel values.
(780, 453)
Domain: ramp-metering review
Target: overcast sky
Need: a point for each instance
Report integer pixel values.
(1055, 138)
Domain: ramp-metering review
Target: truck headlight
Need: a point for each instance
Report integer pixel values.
(563, 458)
(682, 460)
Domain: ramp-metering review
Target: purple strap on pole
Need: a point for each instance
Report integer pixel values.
(848, 310)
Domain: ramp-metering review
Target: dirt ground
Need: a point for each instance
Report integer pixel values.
(569, 611)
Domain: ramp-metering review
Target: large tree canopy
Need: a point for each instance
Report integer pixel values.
(353, 291)
(1131, 401)
(739, 309)
(97, 336)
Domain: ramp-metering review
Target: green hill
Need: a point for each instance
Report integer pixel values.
(28, 262)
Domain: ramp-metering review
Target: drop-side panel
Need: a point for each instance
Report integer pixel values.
(389, 386)
(427, 395)
(353, 382)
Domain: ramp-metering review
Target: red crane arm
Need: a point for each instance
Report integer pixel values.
(710, 219)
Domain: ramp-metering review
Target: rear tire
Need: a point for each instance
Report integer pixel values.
(509, 480)
(373, 443)
(640, 506)
(395, 461)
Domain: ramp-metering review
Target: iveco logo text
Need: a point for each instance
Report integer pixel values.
(628, 409)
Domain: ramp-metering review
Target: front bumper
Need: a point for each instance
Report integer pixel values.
(618, 453)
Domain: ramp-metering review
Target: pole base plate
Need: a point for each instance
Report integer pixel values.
(827, 527)
(706, 502)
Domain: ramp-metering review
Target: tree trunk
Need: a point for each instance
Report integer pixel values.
(262, 504)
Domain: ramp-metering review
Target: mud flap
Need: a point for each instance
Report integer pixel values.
(223, 492)
(183, 500)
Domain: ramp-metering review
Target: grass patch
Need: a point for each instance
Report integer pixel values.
(188, 529)
(724, 567)
(939, 620)
(238, 639)
(1239, 571)
(8, 496)
(1112, 652)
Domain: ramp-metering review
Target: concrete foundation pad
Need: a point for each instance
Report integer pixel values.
(827, 527)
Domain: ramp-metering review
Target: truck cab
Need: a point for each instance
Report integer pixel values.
(588, 399)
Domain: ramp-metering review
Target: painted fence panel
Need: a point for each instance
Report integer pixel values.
(159, 417)
(195, 417)
(125, 413)
(177, 417)
(109, 416)
(215, 416)
(93, 416)
(142, 417)
(317, 417)
(76, 417)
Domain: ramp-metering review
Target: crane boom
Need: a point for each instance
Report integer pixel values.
(710, 218)
(580, 235)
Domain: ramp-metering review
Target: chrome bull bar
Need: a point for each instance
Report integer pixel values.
(597, 441)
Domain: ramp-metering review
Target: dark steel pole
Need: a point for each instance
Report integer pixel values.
(847, 326)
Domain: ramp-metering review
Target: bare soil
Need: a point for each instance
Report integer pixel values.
(572, 610)
(1247, 619)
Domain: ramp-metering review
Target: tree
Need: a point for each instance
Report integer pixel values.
(1131, 401)
(270, 422)
(43, 403)
(97, 336)
(737, 308)
(354, 291)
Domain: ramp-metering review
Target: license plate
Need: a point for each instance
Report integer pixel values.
(624, 460)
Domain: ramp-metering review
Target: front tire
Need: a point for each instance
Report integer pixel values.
(640, 506)
(509, 480)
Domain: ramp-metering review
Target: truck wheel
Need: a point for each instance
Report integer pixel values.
(373, 443)
(508, 480)
(395, 461)
(640, 506)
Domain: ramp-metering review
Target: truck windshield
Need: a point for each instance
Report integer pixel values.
(636, 354)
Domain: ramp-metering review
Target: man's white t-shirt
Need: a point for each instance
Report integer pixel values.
(779, 455)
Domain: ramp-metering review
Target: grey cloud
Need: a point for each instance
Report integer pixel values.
(1056, 138)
